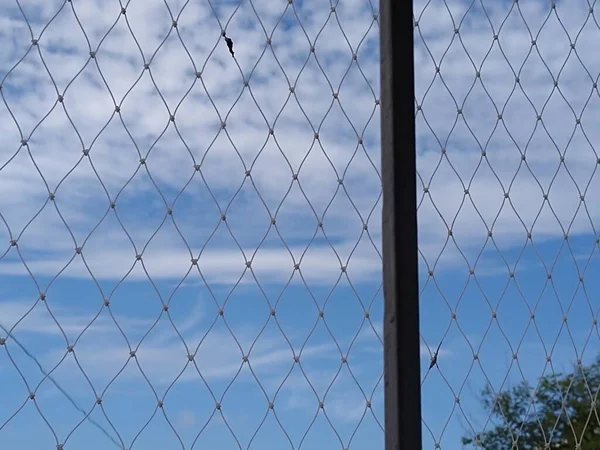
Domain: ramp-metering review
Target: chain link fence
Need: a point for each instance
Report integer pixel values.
(506, 114)
(190, 225)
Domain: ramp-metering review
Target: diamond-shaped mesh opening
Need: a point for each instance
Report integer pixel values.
(506, 102)
(190, 225)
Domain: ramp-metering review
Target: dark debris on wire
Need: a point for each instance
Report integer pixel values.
(229, 43)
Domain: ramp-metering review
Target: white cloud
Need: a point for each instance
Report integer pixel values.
(224, 265)
(115, 157)
(87, 120)
(478, 129)
(33, 317)
(186, 418)
(162, 347)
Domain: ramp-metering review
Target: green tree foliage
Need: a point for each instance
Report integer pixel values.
(561, 413)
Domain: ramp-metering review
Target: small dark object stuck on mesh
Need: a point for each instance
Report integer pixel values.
(229, 43)
(433, 362)
(434, 358)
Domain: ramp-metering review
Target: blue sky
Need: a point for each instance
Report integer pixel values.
(245, 264)
(493, 178)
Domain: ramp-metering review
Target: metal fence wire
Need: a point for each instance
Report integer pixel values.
(507, 104)
(189, 216)
(190, 209)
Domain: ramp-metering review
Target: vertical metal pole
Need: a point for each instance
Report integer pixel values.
(402, 379)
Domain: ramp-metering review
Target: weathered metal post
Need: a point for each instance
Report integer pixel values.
(400, 259)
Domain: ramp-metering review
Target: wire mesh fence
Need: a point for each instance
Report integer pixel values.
(190, 212)
(190, 222)
(506, 109)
